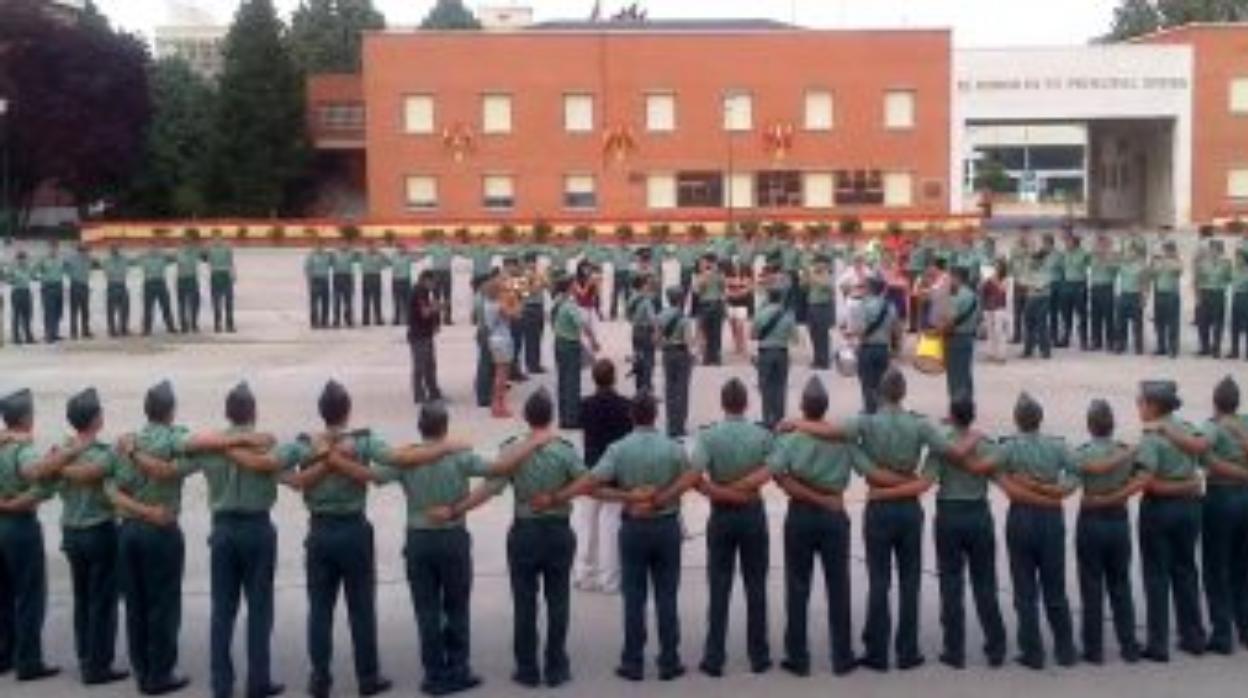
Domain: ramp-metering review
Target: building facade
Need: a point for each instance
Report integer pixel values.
(202, 46)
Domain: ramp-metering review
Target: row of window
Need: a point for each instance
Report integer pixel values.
(342, 116)
(819, 112)
(705, 189)
(1239, 96)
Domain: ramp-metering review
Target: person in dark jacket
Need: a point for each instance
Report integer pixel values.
(423, 322)
(606, 418)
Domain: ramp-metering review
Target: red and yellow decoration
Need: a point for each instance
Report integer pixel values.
(778, 139)
(619, 142)
(459, 140)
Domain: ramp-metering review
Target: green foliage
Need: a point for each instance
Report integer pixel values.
(507, 234)
(542, 232)
(431, 235)
(390, 237)
(463, 235)
(696, 231)
(991, 176)
(326, 36)
(582, 233)
(659, 232)
(850, 225)
(349, 232)
(277, 234)
(450, 14)
(624, 232)
(192, 234)
(1134, 18)
(817, 231)
(779, 229)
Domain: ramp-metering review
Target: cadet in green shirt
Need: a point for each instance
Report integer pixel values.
(1225, 519)
(732, 457)
(621, 277)
(1055, 267)
(710, 309)
(19, 276)
(649, 473)
(1167, 269)
(117, 293)
(342, 267)
(372, 263)
(154, 263)
(569, 326)
(873, 323)
(1239, 300)
(187, 261)
(1134, 277)
(1103, 273)
(1039, 279)
(1074, 299)
(221, 278)
(1110, 478)
(50, 271)
(1170, 521)
(533, 313)
(440, 257)
(401, 263)
(674, 336)
(78, 267)
(642, 314)
(1212, 275)
(773, 329)
(961, 333)
(820, 285)
(1020, 264)
(316, 269)
(89, 539)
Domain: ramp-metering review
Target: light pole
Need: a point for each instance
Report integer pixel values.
(4, 167)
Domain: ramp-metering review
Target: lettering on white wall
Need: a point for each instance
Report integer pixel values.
(1074, 83)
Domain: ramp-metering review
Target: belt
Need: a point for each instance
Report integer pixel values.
(1115, 512)
(17, 516)
(337, 518)
(658, 518)
(241, 516)
(722, 508)
(961, 504)
(777, 350)
(676, 348)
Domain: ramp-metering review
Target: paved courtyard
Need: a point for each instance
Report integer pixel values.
(287, 364)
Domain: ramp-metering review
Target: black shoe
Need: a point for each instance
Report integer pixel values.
(38, 673)
(106, 677)
(630, 674)
(795, 668)
(996, 661)
(270, 691)
(528, 679)
(844, 668)
(1195, 650)
(760, 667)
(557, 677)
(164, 687)
(1233, 355)
(5, 668)
(1130, 655)
(319, 687)
(434, 688)
(711, 670)
(880, 665)
(1094, 658)
(672, 673)
(1066, 659)
(540, 370)
(952, 662)
(911, 663)
(1155, 656)
(1222, 647)
(1031, 662)
(375, 686)
(464, 682)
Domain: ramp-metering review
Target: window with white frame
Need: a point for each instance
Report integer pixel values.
(1239, 96)
(499, 192)
(661, 191)
(578, 113)
(496, 113)
(738, 111)
(418, 114)
(740, 188)
(818, 189)
(1237, 183)
(579, 191)
(819, 111)
(421, 192)
(899, 109)
(660, 112)
(898, 189)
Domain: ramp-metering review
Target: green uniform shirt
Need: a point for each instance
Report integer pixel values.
(964, 305)
(1132, 275)
(1226, 447)
(52, 270)
(116, 268)
(868, 310)
(188, 259)
(154, 262)
(820, 288)
(373, 263)
(955, 483)
(1213, 273)
(220, 258)
(439, 257)
(401, 264)
(440, 483)
(336, 494)
(547, 471)
(919, 256)
(317, 264)
(687, 256)
(482, 257)
(1075, 265)
(779, 332)
(895, 439)
(1239, 275)
(730, 449)
(713, 290)
(343, 262)
(168, 443)
(1167, 271)
(20, 275)
(1045, 459)
(1055, 266)
(16, 460)
(87, 505)
(643, 458)
(1104, 269)
(824, 465)
(78, 267)
(235, 489)
(673, 328)
(1163, 459)
(641, 312)
(566, 323)
(1099, 449)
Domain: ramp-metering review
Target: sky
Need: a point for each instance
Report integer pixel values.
(976, 23)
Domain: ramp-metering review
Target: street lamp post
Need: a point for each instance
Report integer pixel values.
(4, 168)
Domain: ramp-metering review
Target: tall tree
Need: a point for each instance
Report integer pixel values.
(450, 14)
(1136, 17)
(326, 36)
(259, 122)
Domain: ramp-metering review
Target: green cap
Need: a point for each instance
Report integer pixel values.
(17, 406)
(83, 408)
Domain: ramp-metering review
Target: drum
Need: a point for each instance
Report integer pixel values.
(846, 361)
(929, 354)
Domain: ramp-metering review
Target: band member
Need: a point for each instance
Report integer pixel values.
(1103, 273)
(1166, 271)
(1212, 277)
(709, 288)
(1075, 264)
(820, 310)
(960, 330)
(642, 316)
(775, 329)
(873, 325)
(1225, 520)
(675, 336)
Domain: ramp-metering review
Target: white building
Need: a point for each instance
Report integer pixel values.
(505, 17)
(200, 45)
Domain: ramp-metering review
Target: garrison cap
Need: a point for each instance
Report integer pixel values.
(83, 408)
(1028, 412)
(160, 398)
(814, 389)
(17, 405)
(1226, 391)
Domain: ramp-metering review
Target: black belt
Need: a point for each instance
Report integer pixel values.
(784, 350)
(241, 516)
(676, 348)
(724, 508)
(657, 518)
(1114, 512)
(337, 518)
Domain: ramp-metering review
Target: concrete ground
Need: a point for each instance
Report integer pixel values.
(287, 364)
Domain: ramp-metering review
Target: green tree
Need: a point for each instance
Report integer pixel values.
(261, 148)
(326, 36)
(1134, 18)
(991, 177)
(450, 14)
(1137, 17)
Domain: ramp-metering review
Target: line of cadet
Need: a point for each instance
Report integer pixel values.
(56, 276)
(122, 503)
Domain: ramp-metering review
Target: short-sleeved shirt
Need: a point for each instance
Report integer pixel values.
(1165, 460)
(567, 321)
(779, 329)
(1239, 275)
(116, 268)
(343, 262)
(1103, 269)
(1045, 459)
(19, 275)
(956, 484)
(673, 328)
(643, 458)
(1099, 449)
(713, 289)
(896, 439)
(547, 471)
(188, 259)
(730, 449)
(401, 265)
(373, 263)
(84, 505)
(439, 257)
(865, 313)
(481, 257)
(1213, 273)
(16, 460)
(824, 465)
(317, 264)
(441, 483)
(1131, 275)
(1226, 447)
(965, 312)
(641, 312)
(52, 269)
(78, 266)
(1075, 265)
(168, 443)
(235, 489)
(220, 257)
(154, 263)
(821, 288)
(336, 494)
(1168, 271)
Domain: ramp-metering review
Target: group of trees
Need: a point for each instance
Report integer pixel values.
(1137, 17)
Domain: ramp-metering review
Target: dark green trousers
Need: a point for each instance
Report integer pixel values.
(439, 577)
(484, 381)
(318, 300)
(677, 371)
(872, 364)
(221, 291)
(1038, 335)
(1102, 331)
(737, 533)
(188, 303)
(52, 299)
(960, 366)
(243, 550)
(966, 545)
(156, 297)
(401, 298)
(23, 593)
(1036, 540)
(1103, 552)
(650, 563)
(812, 533)
(152, 564)
(1211, 320)
(79, 309)
(1169, 532)
(533, 325)
(711, 319)
(1074, 308)
(568, 373)
(370, 306)
(1129, 315)
(621, 288)
(893, 531)
(1166, 322)
(1239, 322)
(20, 299)
(1018, 306)
(643, 359)
(773, 383)
(539, 559)
(1225, 549)
(344, 299)
(820, 317)
(92, 556)
(340, 557)
(117, 309)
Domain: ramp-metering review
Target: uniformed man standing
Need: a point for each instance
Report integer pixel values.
(687, 256)
(1167, 269)
(342, 267)
(642, 316)
(649, 473)
(732, 455)
(1039, 281)
(51, 274)
(1212, 276)
(78, 268)
(483, 383)
(1103, 275)
(566, 321)
(89, 539)
(820, 285)
(1055, 268)
(401, 263)
(221, 278)
(1075, 264)
(117, 292)
(1225, 520)
(372, 263)
(1239, 300)
(424, 321)
(774, 328)
(1133, 282)
(873, 324)
(960, 330)
(1110, 479)
(19, 276)
(187, 263)
(709, 290)
(533, 314)
(440, 257)
(154, 263)
(674, 337)
(621, 278)
(316, 269)
(1020, 267)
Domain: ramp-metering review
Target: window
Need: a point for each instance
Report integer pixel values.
(779, 189)
(740, 187)
(819, 114)
(700, 190)
(342, 116)
(499, 192)
(661, 191)
(418, 114)
(818, 189)
(1237, 183)
(496, 113)
(579, 191)
(1239, 96)
(898, 189)
(738, 111)
(859, 187)
(578, 113)
(661, 112)
(899, 109)
(422, 192)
